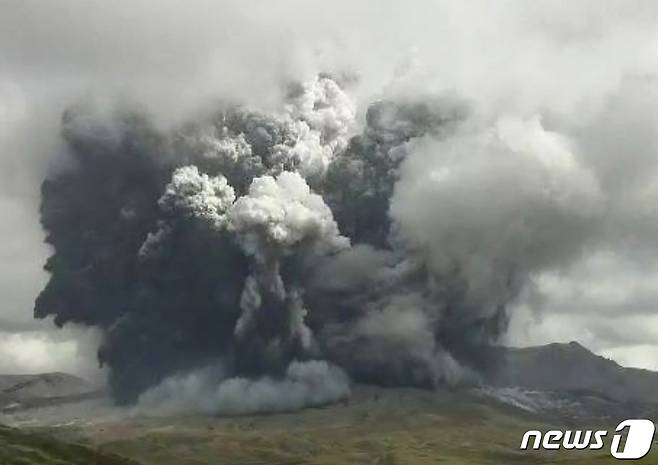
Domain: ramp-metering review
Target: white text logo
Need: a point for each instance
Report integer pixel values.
(638, 436)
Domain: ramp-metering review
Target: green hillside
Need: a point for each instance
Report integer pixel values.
(376, 427)
(23, 448)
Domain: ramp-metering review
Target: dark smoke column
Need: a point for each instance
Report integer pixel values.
(268, 252)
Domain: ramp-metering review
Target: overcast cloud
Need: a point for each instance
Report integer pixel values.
(586, 69)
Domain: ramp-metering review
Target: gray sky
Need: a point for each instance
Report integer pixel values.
(586, 69)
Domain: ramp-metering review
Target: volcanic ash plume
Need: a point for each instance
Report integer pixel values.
(253, 260)
(279, 218)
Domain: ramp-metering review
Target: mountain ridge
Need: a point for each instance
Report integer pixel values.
(570, 367)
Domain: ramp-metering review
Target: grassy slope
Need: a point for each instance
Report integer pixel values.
(379, 428)
(424, 442)
(22, 448)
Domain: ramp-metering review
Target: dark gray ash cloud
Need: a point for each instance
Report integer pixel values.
(382, 193)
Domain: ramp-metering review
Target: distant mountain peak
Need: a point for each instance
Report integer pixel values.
(570, 367)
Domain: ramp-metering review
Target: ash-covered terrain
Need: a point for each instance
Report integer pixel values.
(560, 380)
(30, 396)
(478, 425)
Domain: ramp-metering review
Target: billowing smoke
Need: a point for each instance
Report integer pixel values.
(207, 390)
(409, 178)
(252, 260)
(191, 247)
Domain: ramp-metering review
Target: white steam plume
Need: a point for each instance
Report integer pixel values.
(488, 207)
(277, 216)
(306, 384)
